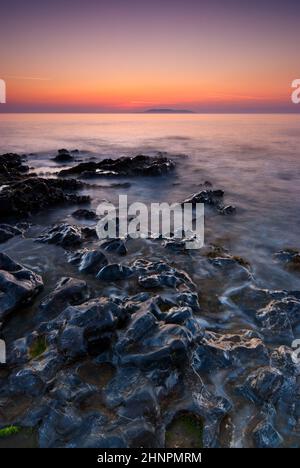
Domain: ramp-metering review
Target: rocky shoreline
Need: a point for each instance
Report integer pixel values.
(162, 356)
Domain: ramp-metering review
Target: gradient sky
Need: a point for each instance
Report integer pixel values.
(129, 55)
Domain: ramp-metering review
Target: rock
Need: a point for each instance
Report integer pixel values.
(142, 402)
(68, 291)
(63, 156)
(279, 318)
(114, 245)
(265, 436)
(64, 235)
(212, 198)
(289, 258)
(227, 210)
(27, 382)
(136, 166)
(159, 275)
(88, 261)
(32, 194)
(114, 272)
(84, 214)
(282, 359)
(221, 351)
(11, 167)
(142, 434)
(18, 285)
(263, 385)
(7, 232)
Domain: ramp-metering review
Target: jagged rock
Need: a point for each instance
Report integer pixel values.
(63, 156)
(114, 272)
(35, 193)
(279, 318)
(84, 214)
(136, 166)
(88, 261)
(64, 235)
(11, 166)
(114, 245)
(263, 385)
(282, 359)
(18, 285)
(68, 291)
(289, 258)
(27, 382)
(7, 232)
(266, 436)
(220, 351)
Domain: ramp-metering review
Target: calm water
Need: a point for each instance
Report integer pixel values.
(254, 158)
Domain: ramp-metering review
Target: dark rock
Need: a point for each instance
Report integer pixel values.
(289, 258)
(282, 359)
(18, 285)
(221, 351)
(68, 291)
(212, 198)
(64, 235)
(34, 194)
(84, 214)
(7, 232)
(11, 167)
(263, 385)
(114, 245)
(88, 261)
(137, 166)
(114, 272)
(63, 156)
(266, 436)
(26, 381)
(279, 317)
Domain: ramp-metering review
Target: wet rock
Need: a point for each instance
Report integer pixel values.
(11, 167)
(27, 382)
(289, 258)
(160, 274)
(212, 198)
(88, 261)
(142, 434)
(142, 402)
(279, 318)
(84, 214)
(64, 235)
(136, 166)
(223, 350)
(114, 272)
(63, 156)
(114, 245)
(60, 424)
(7, 232)
(68, 291)
(18, 285)
(89, 328)
(33, 194)
(227, 210)
(266, 436)
(282, 359)
(263, 385)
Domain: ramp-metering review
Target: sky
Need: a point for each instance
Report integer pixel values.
(130, 55)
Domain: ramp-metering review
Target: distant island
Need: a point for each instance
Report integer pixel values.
(168, 111)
